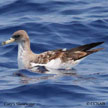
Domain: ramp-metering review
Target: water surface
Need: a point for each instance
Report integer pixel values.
(54, 24)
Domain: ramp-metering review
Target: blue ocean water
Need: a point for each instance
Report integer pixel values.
(54, 24)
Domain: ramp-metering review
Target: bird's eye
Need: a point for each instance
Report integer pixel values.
(16, 36)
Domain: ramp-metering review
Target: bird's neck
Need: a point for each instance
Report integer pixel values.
(24, 45)
(24, 52)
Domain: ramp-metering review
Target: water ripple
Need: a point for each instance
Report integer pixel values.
(53, 25)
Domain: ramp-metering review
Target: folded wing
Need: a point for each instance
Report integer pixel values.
(71, 54)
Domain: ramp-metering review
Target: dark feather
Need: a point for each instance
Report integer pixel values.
(86, 47)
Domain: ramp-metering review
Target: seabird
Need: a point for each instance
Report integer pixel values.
(55, 59)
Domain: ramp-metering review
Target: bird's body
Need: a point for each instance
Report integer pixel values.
(27, 59)
(56, 59)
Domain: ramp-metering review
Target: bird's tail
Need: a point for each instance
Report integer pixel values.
(93, 50)
(86, 47)
(82, 54)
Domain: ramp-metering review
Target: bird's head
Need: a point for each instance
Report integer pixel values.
(18, 36)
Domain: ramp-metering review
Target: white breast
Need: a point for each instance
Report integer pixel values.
(21, 56)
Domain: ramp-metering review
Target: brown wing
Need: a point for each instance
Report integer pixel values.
(75, 55)
(66, 55)
(49, 55)
(81, 51)
(86, 47)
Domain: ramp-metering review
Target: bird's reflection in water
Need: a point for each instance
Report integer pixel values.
(44, 75)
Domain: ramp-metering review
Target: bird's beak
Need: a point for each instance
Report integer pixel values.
(8, 41)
